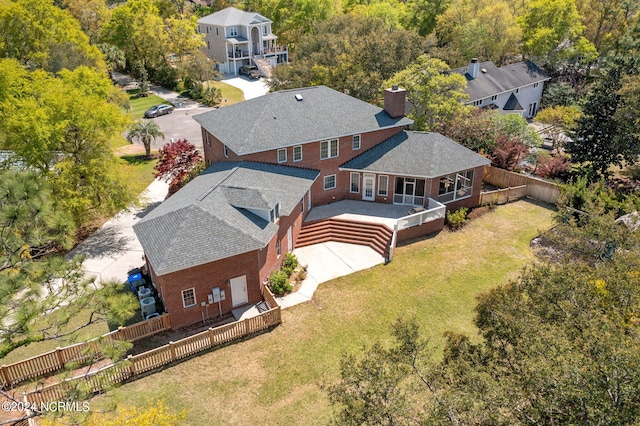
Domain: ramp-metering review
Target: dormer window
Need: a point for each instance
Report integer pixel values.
(233, 32)
(265, 30)
(274, 214)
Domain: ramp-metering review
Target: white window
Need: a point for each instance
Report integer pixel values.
(208, 139)
(329, 149)
(455, 186)
(233, 32)
(356, 142)
(517, 90)
(383, 184)
(535, 84)
(282, 155)
(274, 214)
(494, 97)
(329, 182)
(217, 31)
(297, 153)
(355, 182)
(278, 248)
(188, 297)
(208, 45)
(226, 151)
(265, 30)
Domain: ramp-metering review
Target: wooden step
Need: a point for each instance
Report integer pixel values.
(374, 235)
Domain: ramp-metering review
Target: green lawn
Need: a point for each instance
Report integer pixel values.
(275, 378)
(140, 170)
(140, 105)
(230, 95)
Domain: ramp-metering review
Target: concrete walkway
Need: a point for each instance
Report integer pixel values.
(250, 88)
(114, 249)
(327, 261)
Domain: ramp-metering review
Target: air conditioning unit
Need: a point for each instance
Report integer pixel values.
(148, 306)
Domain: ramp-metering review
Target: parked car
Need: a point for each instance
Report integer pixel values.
(250, 71)
(158, 110)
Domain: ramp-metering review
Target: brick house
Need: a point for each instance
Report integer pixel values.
(512, 89)
(274, 158)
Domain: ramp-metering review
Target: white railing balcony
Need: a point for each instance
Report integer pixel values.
(238, 54)
(434, 211)
(408, 199)
(275, 49)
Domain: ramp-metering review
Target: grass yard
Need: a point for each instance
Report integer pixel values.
(230, 95)
(140, 105)
(275, 378)
(140, 170)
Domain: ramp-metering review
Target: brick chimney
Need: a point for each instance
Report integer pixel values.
(474, 67)
(395, 101)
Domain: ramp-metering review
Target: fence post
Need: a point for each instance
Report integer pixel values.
(120, 333)
(212, 335)
(5, 375)
(132, 366)
(59, 356)
(173, 351)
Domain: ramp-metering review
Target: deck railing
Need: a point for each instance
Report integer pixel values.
(435, 210)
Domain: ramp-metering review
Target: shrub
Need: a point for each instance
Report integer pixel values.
(508, 153)
(553, 167)
(279, 282)
(457, 219)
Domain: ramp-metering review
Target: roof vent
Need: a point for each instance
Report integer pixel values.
(394, 87)
(484, 70)
(299, 97)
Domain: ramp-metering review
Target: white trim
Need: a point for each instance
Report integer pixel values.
(353, 140)
(329, 143)
(371, 178)
(386, 172)
(386, 187)
(225, 150)
(351, 176)
(335, 182)
(318, 140)
(294, 153)
(510, 90)
(195, 301)
(285, 155)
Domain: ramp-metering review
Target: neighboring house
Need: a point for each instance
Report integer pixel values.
(274, 158)
(235, 38)
(513, 89)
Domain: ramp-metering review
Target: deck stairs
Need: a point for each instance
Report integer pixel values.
(374, 235)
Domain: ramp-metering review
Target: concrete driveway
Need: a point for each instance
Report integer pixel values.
(327, 261)
(250, 88)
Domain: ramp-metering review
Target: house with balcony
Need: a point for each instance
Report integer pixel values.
(511, 89)
(294, 168)
(235, 38)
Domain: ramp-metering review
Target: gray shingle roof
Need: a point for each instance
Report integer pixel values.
(199, 224)
(499, 80)
(513, 104)
(231, 16)
(421, 154)
(278, 120)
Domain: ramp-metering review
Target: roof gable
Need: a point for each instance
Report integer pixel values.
(421, 154)
(231, 17)
(279, 119)
(494, 80)
(208, 220)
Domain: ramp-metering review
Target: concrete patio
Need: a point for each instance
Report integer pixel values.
(363, 211)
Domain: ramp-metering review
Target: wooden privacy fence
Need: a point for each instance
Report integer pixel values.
(97, 381)
(56, 360)
(502, 195)
(534, 188)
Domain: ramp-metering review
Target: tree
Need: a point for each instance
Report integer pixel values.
(561, 118)
(176, 162)
(599, 141)
(35, 282)
(422, 15)
(436, 96)
(41, 35)
(183, 38)
(508, 152)
(551, 29)
(145, 131)
(351, 54)
(605, 20)
(91, 14)
(72, 119)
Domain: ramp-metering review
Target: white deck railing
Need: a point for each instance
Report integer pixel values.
(435, 210)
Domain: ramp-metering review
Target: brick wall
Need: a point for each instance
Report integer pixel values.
(420, 231)
(268, 257)
(203, 278)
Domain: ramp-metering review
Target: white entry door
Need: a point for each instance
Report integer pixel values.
(239, 290)
(290, 240)
(368, 187)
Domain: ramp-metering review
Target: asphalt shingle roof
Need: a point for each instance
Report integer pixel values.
(231, 16)
(278, 120)
(513, 104)
(423, 154)
(499, 80)
(200, 224)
